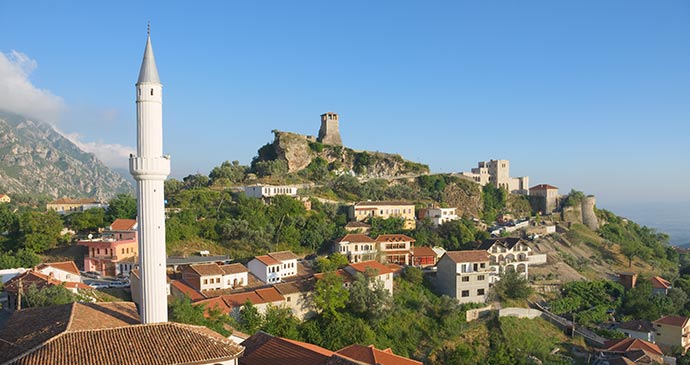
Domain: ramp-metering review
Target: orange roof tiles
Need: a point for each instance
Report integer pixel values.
(235, 268)
(270, 295)
(123, 224)
(283, 256)
(357, 225)
(468, 256)
(660, 283)
(394, 238)
(357, 238)
(236, 300)
(68, 266)
(423, 251)
(373, 356)
(543, 187)
(676, 321)
(215, 304)
(631, 344)
(74, 201)
(187, 290)
(379, 203)
(207, 269)
(375, 265)
(267, 260)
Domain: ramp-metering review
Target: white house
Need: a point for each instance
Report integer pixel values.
(439, 216)
(268, 191)
(377, 269)
(273, 267)
(63, 271)
(205, 277)
(508, 253)
(357, 247)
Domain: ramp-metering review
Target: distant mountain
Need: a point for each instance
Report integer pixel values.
(35, 159)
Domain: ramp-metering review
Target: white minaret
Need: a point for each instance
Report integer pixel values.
(150, 168)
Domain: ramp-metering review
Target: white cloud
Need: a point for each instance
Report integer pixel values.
(112, 154)
(20, 96)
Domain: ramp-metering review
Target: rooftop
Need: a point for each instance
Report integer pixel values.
(632, 344)
(68, 266)
(468, 256)
(675, 321)
(380, 203)
(394, 238)
(354, 237)
(123, 225)
(660, 283)
(543, 187)
(373, 356)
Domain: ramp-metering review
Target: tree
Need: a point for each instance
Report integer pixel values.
(250, 319)
(494, 200)
(329, 294)
(89, 220)
(331, 263)
(413, 275)
(512, 286)
(233, 172)
(368, 298)
(195, 181)
(40, 231)
(280, 322)
(386, 226)
(630, 250)
(121, 206)
(171, 187)
(183, 311)
(47, 296)
(9, 221)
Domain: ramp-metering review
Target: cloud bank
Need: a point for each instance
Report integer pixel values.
(18, 95)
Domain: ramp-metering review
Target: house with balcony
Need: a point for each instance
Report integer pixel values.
(423, 256)
(357, 247)
(395, 248)
(274, 267)
(464, 275)
(509, 253)
(673, 332)
(364, 211)
(115, 252)
(438, 216)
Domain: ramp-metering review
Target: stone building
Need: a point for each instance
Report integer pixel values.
(329, 133)
(497, 173)
(544, 198)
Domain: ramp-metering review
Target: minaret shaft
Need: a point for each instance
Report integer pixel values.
(150, 168)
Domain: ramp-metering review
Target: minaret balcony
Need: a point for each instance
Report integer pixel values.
(149, 167)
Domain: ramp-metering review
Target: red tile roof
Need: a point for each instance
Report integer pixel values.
(267, 260)
(423, 251)
(660, 283)
(270, 295)
(123, 225)
(283, 256)
(357, 238)
(187, 290)
(394, 238)
(357, 225)
(106, 333)
(631, 344)
(207, 269)
(467, 256)
(379, 203)
(264, 349)
(74, 201)
(363, 266)
(237, 300)
(235, 268)
(676, 321)
(216, 304)
(39, 280)
(373, 356)
(68, 266)
(543, 187)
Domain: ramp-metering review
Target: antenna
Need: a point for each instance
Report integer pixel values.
(148, 28)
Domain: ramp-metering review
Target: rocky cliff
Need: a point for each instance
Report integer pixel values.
(35, 159)
(298, 151)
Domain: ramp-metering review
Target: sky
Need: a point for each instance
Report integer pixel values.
(591, 94)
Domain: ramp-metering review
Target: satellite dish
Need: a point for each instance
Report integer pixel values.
(90, 236)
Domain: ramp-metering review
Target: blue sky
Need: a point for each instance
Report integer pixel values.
(592, 95)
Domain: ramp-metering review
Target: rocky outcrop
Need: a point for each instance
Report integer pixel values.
(35, 159)
(465, 196)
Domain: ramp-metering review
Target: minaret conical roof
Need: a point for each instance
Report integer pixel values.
(148, 72)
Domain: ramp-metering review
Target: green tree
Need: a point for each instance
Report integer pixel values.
(368, 297)
(386, 226)
(183, 311)
(9, 222)
(512, 286)
(195, 181)
(121, 206)
(40, 231)
(47, 296)
(331, 263)
(231, 171)
(280, 322)
(494, 200)
(250, 319)
(171, 187)
(89, 220)
(329, 294)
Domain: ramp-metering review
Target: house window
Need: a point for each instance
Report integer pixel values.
(288, 299)
(205, 281)
(465, 278)
(217, 280)
(465, 293)
(482, 265)
(480, 291)
(480, 277)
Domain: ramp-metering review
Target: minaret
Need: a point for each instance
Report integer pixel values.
(150, 168)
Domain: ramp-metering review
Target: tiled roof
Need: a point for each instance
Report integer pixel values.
(373, 356)
(270, 295)
(267, 260)
(187, 290)
(357, 238)
(235, 268)
(379, 203)
(394, 238)
(543, 187)
(264, 349)
(123, 224)
(3, 195)
(468, 256)
(676, 321)
(68, 266)
(660, 283)
(207, 269)
(292, 287)
(631, 344)
(637, 325)
(283, 255)
(620, 360)
(423, 251)
(238, 299)
(29, 278)
(217, 304)
(74, 201)
(363, 266)
(105, 333)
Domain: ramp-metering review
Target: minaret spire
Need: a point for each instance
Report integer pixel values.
(150, 168)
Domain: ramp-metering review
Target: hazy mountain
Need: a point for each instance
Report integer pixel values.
(35, 159)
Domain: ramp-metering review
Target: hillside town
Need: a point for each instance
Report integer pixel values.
(334, 256)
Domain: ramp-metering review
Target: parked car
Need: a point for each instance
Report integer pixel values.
(118, 284)
(92, 274)
(98, 285)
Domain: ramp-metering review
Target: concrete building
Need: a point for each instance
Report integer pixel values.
(273, 267)
(357, 247)
(395, 248)
(497, 173)
(364, 211)
(114, 253)
(544, 198)
(329, 133)
(63, 271)
(4, 198)
(269, 191)
(464, 275)
(207, 277)
(673, 332)
(439, 216)
(150, 167)
(640, 329)
(509, 253)
(375, 270)
(67, 205)
(660, 286)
